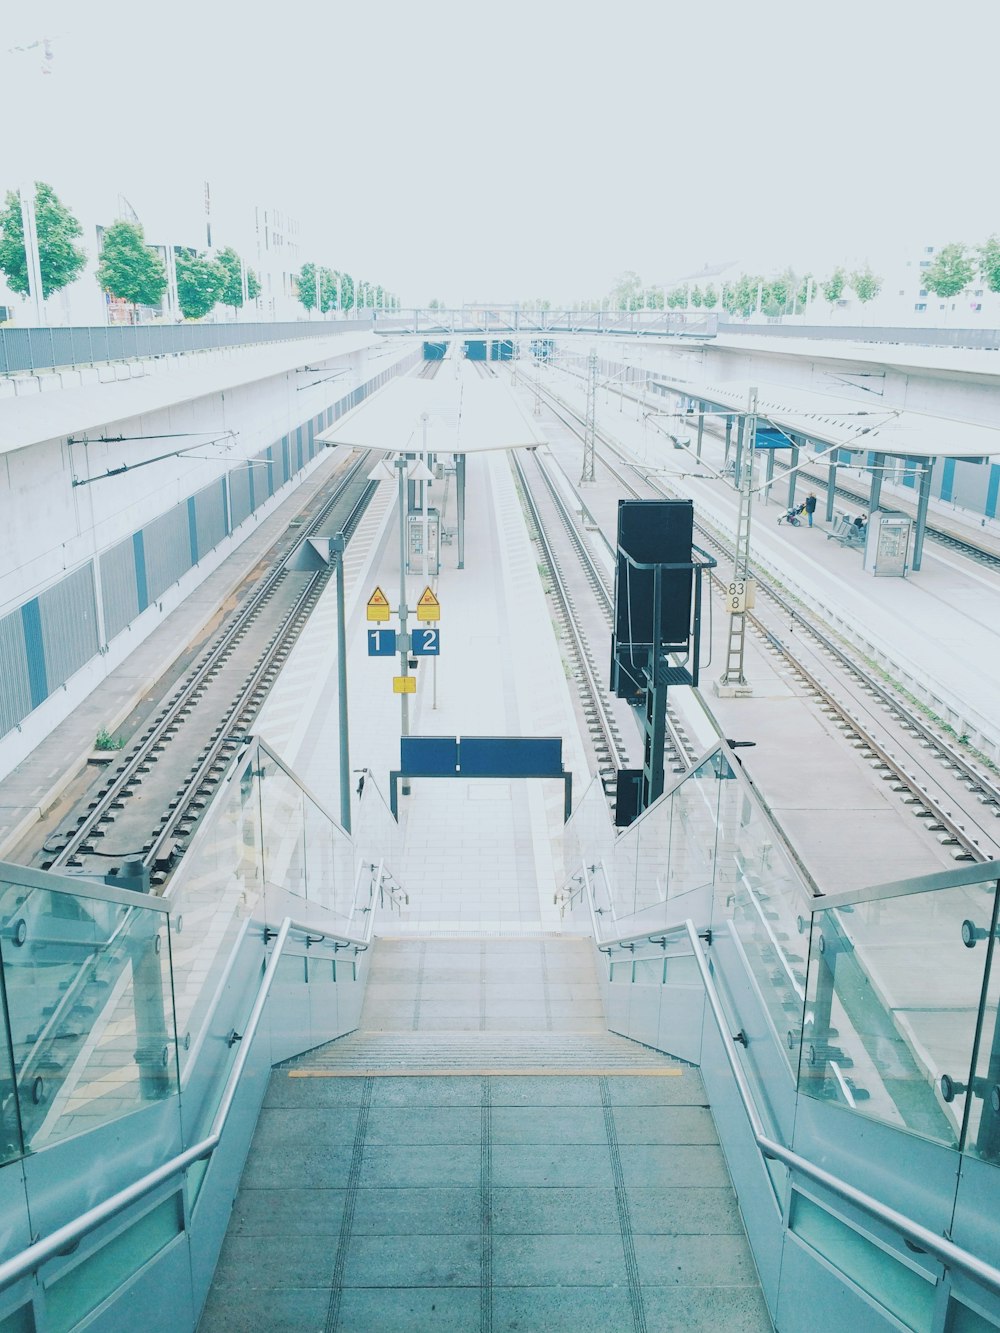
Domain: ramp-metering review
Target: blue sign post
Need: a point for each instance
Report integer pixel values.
(381, 643)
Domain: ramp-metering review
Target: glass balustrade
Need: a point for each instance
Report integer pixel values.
(107, 997)
(89, 1007)
(901, 1008)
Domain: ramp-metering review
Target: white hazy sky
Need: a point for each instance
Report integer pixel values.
(521, 147)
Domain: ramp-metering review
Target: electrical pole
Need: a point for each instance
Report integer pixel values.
(590, 424)
(740, 592)
(404, 651)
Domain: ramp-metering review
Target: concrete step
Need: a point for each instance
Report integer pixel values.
(436, 1053)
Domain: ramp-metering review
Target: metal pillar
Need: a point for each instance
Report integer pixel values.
(923, 495)
(733, 675)
(793, 475)
(875, 493)
(729, 440)
(655, 730)
(768, 476)
(404, 668)
(831, 491)
(701, 428)
(740, 432)
(460, 490)
(590, 422)
(338, 545)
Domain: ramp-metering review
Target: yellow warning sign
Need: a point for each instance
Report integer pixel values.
(428, 608)
(404, 684)
(378, 606)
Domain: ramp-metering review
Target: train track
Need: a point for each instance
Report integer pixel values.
(937, 793)
(139, 820)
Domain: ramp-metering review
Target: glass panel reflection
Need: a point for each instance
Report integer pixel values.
(90, 1008)
(893, 1006)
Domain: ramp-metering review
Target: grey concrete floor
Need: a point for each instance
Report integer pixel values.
(578, 1201)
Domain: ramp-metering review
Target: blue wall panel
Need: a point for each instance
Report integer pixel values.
(947, 478)
(32, 622)
(993, 491)
(141, 587)
(192, 529)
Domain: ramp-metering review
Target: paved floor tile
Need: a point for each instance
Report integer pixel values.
(573, 1309)
(551, 1164)
(439, 1124)
(550, 1260)
(665, 1124)
(690, 1309)
(683, 1089)
(279, 1309)
(431, 1210)
(681, 1164)
(414, 1261)
(544, 1091)
(402, 1310)
(528, 1210)
(687, 1210)
(288, 1212)
(409, 1092)
(695, 1260)
(550, 1124)
(278, 1261)
(382, 1167)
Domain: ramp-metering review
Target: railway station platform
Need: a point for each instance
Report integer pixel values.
(476, 1069)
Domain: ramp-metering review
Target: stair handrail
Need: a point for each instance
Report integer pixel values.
(950, 1254)
(65, 1238)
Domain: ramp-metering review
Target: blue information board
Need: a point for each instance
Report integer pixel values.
(425, 642)
(381, 642)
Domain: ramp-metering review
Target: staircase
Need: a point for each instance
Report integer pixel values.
(483, 1155)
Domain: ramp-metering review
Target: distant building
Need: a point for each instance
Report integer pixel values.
(905, 300)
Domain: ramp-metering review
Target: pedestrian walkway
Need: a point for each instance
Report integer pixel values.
(408, 1179)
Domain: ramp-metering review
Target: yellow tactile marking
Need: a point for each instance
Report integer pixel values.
(485, 1073)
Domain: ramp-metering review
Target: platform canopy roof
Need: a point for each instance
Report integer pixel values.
(859, 424)
(466, 414)
(34, 417)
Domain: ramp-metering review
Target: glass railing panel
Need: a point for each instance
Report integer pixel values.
(982, 1129)
(90, 1005)
(893, 1004)
(215, 893)
(667, 854)
(589, 835)
(282, 820)
(11, 1141)
(328, 859)
(377, 836)
(762, 899)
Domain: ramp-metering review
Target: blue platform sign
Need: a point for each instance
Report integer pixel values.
(381, 642)
(425, 642)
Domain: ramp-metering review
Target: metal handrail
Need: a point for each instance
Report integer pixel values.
(66, 1237)
(950, 1254)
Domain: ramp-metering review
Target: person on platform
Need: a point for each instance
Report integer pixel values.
(810, 507)
(861, 523)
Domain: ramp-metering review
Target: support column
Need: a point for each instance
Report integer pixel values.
(831, 490)
(729, 439)
(768, 476)
(460, 489)
(701, 428)
(793, 475)
(875, 493)
(924, 494)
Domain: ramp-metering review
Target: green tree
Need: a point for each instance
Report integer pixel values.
(305, 285)
(678, 298)
(328, 290)
(59, 258)
(740, 297)
(989, 262)
(952, 270)
(347, 293)
(807, 290)
(625, 293)
(655, 299)
(833, 288)
(697, 297)
(129, 268)
(709, 297)
(200, 284)
(866, 284)
(230, 267)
